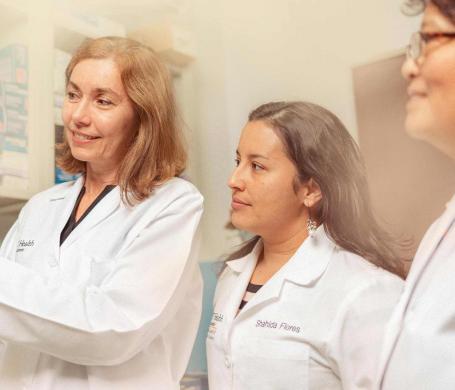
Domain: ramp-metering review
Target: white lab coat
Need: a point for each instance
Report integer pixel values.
(419, 348)
(316, 324)
(115, 307)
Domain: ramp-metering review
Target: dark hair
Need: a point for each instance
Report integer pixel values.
(322, 149)
(447, 7)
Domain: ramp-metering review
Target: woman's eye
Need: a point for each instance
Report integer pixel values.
(257, 167)
(237, 162)
(71, 95)
(103, 102)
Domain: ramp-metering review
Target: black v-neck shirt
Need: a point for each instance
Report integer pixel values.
(72, 223)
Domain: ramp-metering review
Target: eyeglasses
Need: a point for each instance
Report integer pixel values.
(420, 39)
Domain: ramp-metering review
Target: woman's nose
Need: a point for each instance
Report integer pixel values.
(409, 69)
(236, 181)
(80, 114)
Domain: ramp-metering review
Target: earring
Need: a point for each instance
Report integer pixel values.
(311, 226)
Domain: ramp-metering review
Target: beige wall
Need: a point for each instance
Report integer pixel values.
(254, 51)
(410, 180)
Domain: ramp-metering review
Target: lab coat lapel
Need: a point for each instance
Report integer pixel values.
(304, 268)
(422, 258)
(425, 252)
(243, 269)
(101, 211)
(64, 205)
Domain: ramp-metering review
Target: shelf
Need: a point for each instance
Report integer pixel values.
(66, 39)
(12, 18)
(71, 29)
(13, 10)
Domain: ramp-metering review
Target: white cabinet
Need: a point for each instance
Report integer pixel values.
(41, 27)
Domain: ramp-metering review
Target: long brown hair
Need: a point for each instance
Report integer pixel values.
(321, 148)
(157, 151)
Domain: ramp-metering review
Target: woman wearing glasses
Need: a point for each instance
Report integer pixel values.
(303, 305)
(419, 351)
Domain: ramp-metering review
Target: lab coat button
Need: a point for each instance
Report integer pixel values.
(227, 362)
(53, 262)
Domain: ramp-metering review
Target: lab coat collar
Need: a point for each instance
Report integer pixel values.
(450, 205)
(100, 212)
(425, 252)
(64, 200)
(239, 265)
(243, 269)
(311, 260)
(422, 258)
(304, 268)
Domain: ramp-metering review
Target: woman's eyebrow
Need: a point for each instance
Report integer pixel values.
(255, 155)
(106, 91)
(97, 91)
(252, 155)
(72, 84)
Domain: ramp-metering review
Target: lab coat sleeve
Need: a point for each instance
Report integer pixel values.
(357, 334)
(109, 323)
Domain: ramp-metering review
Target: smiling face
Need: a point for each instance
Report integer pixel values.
(98, 115)
(431, 105)
(264, 201)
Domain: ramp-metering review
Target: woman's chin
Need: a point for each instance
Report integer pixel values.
(434, 135)
(80, 157)
(417, 128)
(236, 223)
(241, 225)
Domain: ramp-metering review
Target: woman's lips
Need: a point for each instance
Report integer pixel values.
(81, 138)
(238, 204)
(414, 91)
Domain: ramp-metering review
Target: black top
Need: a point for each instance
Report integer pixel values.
(72, 223)
(251, 289)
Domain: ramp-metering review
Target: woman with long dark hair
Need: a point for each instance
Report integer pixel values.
(303, 304)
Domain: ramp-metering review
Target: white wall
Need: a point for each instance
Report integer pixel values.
(253, 51)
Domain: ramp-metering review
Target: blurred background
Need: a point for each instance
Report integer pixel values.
(226, 57)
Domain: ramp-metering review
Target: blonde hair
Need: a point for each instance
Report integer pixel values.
(157, 151)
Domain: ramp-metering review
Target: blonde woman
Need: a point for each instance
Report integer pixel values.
(99, 286)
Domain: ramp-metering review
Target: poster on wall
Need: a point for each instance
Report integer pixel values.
(13, 111)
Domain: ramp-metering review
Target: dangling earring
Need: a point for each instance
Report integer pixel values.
(311, 226)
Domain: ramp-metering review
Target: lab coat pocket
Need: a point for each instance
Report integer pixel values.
(272, 365)
(100, 268)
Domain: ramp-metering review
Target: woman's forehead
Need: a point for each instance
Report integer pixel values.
(259, 139)
(99, 74)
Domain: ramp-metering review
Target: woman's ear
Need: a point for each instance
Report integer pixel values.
(310, 193)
